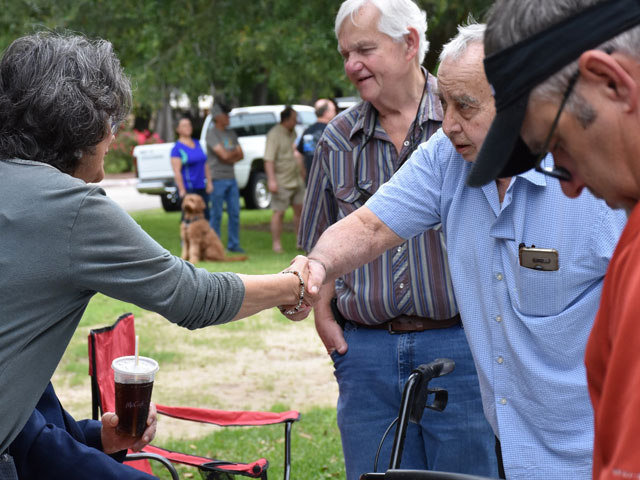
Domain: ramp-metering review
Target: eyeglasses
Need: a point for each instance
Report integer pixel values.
(114, 126)
(556, 172)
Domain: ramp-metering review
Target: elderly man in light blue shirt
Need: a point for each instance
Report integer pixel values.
(527, 266)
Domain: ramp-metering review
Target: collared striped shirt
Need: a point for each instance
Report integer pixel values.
(410, 279)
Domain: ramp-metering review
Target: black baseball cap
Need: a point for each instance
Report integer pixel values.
(516, 70)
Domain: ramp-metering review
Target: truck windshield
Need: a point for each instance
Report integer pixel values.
(246, 124)
(306, 118)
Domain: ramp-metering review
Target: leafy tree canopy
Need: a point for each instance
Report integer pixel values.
(248, 51)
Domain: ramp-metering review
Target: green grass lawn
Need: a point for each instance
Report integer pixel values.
(264, 362)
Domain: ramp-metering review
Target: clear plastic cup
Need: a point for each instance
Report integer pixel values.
(134, 384)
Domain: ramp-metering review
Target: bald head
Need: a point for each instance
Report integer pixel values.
(325, 110)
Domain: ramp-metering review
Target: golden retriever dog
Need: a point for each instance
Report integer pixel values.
(199, 240)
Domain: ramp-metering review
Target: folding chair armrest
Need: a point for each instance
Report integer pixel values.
(255, 469)
(226, 418)
(154, 456)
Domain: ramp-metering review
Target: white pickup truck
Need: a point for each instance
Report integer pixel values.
(251, 124)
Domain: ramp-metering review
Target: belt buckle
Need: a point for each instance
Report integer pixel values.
(419, 326)
(390, 329)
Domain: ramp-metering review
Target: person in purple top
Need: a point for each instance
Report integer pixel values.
(189, 163)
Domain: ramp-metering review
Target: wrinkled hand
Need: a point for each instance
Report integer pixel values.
(317, 277)
(112, 442)
(300, 264)
(331, 334)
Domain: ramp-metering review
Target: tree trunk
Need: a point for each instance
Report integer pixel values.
(164, 123)
(260, 93)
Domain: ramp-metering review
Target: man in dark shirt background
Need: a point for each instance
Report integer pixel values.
(325, 111)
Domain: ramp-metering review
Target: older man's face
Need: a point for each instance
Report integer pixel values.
(467, 101)
(597, 155)
(374, 63)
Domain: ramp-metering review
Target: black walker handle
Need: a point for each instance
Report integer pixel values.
(414, 401)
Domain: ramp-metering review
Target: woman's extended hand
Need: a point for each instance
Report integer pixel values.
(316, 276)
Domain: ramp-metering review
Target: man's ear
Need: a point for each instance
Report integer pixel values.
(412, 42)
(612, 73)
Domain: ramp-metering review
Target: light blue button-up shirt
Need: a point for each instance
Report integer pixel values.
(527, 328)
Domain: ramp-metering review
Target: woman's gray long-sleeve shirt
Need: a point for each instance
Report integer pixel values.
(61, 241)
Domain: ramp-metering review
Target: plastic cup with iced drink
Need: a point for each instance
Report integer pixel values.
(134, 383)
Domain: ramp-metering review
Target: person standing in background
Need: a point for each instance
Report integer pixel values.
(223, 151)
(189, 163)
(285, 174)
(326, 110)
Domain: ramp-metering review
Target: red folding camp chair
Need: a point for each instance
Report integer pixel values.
(118, 340)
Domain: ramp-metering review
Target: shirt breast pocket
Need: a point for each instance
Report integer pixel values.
(349, 199)
(540, 293)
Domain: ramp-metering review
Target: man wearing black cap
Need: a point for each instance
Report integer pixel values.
(566, 77)
(527, 265)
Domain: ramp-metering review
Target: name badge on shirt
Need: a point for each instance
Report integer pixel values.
(544, 259)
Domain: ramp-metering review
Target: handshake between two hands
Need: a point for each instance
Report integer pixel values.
(313, 275)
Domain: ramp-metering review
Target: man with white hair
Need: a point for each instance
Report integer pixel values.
(527, 266)
(578, 97)
(399, 310)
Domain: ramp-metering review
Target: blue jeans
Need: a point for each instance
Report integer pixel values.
(226, 191)
(371, 377)
(7, 468)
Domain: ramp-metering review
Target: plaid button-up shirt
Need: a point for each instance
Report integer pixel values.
(410, 279)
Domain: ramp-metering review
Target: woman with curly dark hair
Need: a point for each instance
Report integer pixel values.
(62, 239)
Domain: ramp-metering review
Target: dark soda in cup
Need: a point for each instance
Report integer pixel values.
(134, 384)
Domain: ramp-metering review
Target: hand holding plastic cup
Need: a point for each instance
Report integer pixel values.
(134, 378)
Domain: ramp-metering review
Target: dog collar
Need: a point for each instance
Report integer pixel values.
(187, 221)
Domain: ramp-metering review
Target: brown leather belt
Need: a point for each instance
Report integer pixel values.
(412, 323)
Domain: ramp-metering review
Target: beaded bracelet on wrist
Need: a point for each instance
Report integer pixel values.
(295, 309)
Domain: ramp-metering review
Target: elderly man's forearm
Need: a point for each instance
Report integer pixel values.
(352, 242)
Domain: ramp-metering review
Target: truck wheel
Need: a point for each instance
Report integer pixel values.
(257, 194)
(170, 202)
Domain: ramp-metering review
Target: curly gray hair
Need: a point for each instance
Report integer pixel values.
(58, 95)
